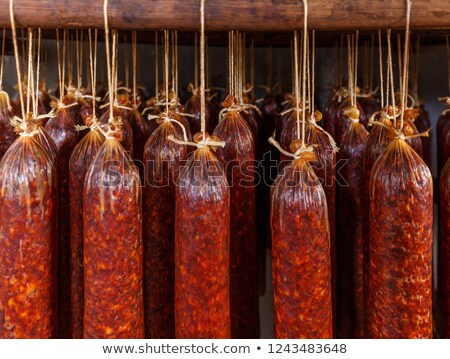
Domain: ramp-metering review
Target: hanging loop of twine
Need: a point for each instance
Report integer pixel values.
(202, 144)
(296, 155)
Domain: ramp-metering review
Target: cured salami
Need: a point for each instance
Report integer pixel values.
(377, 141)
(82, 156)
(349, 233)
(28, 206)
(202, 249)
(400, 248)
(324, 148)
(301, 267)
(61, 129)
(445, 249)
(113, 249)
(163, 160)
(238, 157)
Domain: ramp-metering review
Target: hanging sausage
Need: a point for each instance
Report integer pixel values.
(444, 255)
(163, 160)
(400, 248)
(61, 129)
(82, 157)
(349, 231)
(300, 235)
(28, 204)
(202, 248)
(113, 249)
(202, 243)
(237, 157)
(401, 235)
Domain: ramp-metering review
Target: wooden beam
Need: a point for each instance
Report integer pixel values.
(223, 15)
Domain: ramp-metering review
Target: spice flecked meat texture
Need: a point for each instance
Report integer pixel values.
(113, 248)
(82, 156)
(376, 143)
(237, 157)
(61, 129)
(445, 249)
(28, 204)
(7, 133)
(301, 265)
(325, 170)
(349, 234)
(202, 249)
(163, 160)
(400, 268)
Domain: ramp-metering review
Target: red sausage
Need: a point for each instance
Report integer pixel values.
(301, 265)
(238, 157)
(113, 249)
(400, 248)
(28, 206)
(376, 143)
(61, 129)
(163, 160)
(445, 248)
(349, 234)
(202, 249)
(82, 157)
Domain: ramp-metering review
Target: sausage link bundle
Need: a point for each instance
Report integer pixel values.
(113, 250)
(7, 133)
(445, 249)
(400, 248)
(202, 249)
(301, 265)
(377, 141)
(238, 157)
(61, 129)
(28, 229)
(324, 148)
(349, 233)
(82, 156)
(163, 160)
